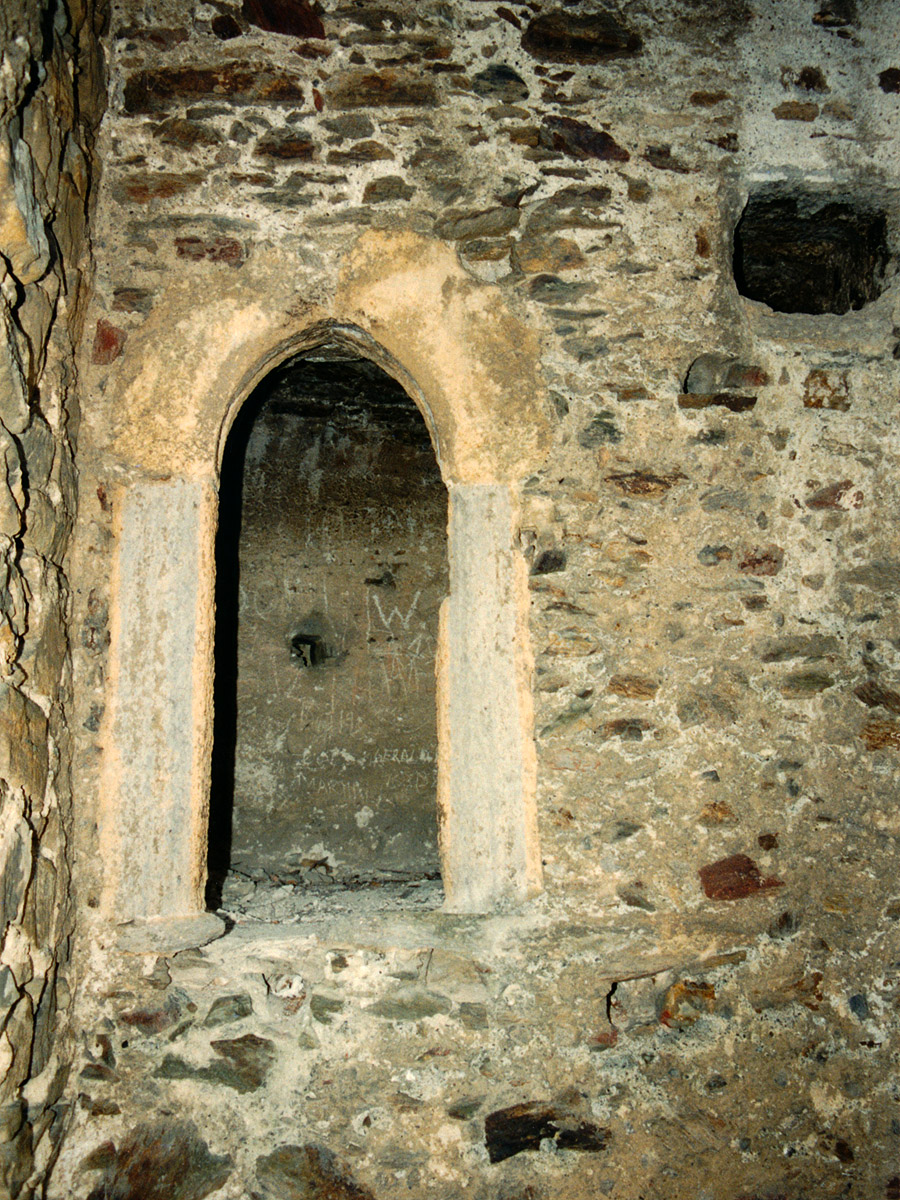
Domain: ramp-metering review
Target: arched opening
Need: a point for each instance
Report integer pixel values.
(331, 566)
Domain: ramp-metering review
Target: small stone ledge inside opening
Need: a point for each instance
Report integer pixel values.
(806, 251)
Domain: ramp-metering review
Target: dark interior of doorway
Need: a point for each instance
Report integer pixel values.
(330, 569)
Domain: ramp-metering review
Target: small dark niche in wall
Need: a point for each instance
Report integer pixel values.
(806, 252)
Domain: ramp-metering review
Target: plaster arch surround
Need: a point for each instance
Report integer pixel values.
(471, 366)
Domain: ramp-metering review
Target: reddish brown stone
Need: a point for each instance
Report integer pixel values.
(294, 147)
(708, 99)
(881, 735)
(508, 15)
(796, 110)
(217, 249)
(559, 36)
(735, 878)
(360, 152)
(389, 88)
(762, 560)
(727, 142)
(109, 341)
(629, 729)
(874, 695)
(161, 1162)
(644, 483)
(581, 140)
(145, 186)
(832, 496)
(634, 687)
(152, 1020)
(826, 389)
(295, 18)
(239, 82)
(701, 241)
(889, 80)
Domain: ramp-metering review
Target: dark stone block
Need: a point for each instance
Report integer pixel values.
(237, 82)
(629, 729)
(388, 187)
(145, 186)
(881, 735)
(602, 429)
(879, 576)
(229, 1008)
(307, 1173)
(796, 110)
(550, 289)
(662, 158)
(177, 132)
(217, 249)
(874, 695)
(548, 562)
(296, 18)
(805, 253)
(491, 222)
(735, 878)
(501, 82)
(509, 1131)
(225, 27)
(812, 79)
(362, 152)
(580, 140)
(708, 99)
(286, 147)
(832, 496)
(109, 341)
(388, 88)
(560, 36)
(836, 14)
(889, 80)
(859, 1006)
(801, 684)
(166, 1161)
(153, 1020)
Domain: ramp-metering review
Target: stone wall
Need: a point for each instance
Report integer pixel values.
(52, 94)
(703, 1001)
